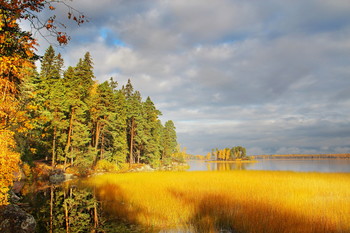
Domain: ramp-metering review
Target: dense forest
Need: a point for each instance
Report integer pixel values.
(78, 121)
(64, 116)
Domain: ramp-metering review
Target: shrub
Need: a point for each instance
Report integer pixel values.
(106, 166)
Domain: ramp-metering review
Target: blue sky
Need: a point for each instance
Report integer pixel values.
(272, 76)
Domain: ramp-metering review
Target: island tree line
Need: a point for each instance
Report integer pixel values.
(76, 121)
(228, 154)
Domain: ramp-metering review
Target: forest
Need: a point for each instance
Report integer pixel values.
(64, 116)
(78, 121)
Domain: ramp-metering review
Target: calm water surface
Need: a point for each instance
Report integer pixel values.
(302, 165)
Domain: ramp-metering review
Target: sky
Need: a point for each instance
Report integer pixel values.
(272, 76)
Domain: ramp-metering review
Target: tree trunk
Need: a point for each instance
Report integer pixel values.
(51, 209)
(97, 134)
(101, 149)
(68, 145)
(54, 146)
(131, 141)
(97, 137)
(66, 213)
(95, 212)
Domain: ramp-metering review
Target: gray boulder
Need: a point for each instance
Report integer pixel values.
(14, 219)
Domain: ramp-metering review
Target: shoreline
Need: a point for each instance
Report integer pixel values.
(231, 161)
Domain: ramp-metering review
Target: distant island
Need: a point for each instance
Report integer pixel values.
(234, 154)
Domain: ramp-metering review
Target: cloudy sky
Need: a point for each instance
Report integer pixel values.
(272, 76)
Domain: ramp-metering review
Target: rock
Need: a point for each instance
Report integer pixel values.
(19, 175)
(68, 176)
(17, 186)
(57, 178)
(148, 168)
(14, 219)
(14, 197)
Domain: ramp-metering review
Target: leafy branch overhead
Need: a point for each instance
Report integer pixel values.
(34, 11)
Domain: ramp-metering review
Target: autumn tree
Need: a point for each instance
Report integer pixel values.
(238, 152)
(208, 156)
(41, 15)
(16, 57)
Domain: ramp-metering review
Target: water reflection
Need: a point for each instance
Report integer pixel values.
(69, 208)
(304, 165)
(298, 165)
(227, 166)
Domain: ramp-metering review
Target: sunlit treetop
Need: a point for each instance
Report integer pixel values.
(33, 11)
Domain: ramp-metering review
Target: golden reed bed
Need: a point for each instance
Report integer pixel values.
(235, 201)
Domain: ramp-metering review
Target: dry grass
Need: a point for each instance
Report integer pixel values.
(237, 201)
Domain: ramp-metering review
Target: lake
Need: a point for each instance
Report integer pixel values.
(75, 207)
(297, 165)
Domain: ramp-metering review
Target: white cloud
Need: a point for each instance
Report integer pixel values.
(269, 75)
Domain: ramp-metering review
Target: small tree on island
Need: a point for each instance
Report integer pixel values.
(227, 154)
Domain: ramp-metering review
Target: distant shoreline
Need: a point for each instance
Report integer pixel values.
(303, 156)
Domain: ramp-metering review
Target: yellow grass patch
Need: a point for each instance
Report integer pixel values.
(238, 201)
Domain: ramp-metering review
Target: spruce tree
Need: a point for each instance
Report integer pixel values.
(78, 135)
(151, 132)
(169, 141)
(50, 100)
(133, 110)
(118, 127)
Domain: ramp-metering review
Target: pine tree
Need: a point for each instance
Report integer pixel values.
(136, 125)
(103, 114)
(133, 112)
(52, 102)
(78, 135)
(169, 141)
(151, 132)
(118, 128)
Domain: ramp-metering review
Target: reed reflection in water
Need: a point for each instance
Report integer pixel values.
(70, 208)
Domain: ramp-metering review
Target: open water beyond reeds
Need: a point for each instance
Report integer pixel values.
(297, 165)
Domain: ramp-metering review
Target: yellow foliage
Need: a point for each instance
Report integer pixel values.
(9, 161)
(15, 62)
(237, 201)
(26, 169)
(104, 165)
(41, 170)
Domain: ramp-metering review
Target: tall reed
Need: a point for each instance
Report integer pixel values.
(235, 201)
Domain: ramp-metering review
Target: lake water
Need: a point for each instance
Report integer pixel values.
(298, 165)
(55, 205)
